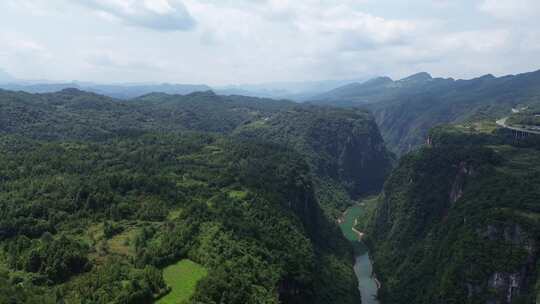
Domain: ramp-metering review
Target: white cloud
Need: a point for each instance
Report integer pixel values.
(15, 43)
(105, 60)
(485, 41)
(512, 9)
(20, 54)
(33, 7)
(313, 39)
(267, 40)
(162, 15)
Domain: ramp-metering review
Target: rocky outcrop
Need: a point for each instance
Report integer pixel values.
(457, 186)
(508, 286)
(429, 141)
(363, 161)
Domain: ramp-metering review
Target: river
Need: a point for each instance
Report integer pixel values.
(363, 268)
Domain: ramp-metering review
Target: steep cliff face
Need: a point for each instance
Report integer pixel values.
(459, 222)
(343, 147)
(363, 161)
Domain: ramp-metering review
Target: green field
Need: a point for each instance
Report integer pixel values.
(182, 277)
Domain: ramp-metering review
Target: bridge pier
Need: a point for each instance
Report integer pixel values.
(519, 135)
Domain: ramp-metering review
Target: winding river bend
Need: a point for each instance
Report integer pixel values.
(367, 284)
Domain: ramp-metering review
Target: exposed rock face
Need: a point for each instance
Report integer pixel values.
(457, 187)
(363, 161)
(429, 141)
(506, 285)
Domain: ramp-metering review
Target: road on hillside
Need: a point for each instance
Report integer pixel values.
(502, 123)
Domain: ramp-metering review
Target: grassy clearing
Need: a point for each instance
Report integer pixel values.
(182, 277)
(484, 126)
(238, 194)
(174, 214)
(121, 243)
(369, 205)
(261, 123)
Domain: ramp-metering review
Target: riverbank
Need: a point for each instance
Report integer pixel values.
(360, 239)
(360, 234)
(363, 268)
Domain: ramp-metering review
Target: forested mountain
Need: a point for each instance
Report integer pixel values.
(99, 195)
(408, 108)
(341, 144)
(76, 114)
(357, 92)
(206, 111)
(458, 220)
(343, 147)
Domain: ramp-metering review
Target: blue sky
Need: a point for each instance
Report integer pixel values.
(254, 41)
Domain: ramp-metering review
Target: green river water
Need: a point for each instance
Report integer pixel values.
(362, 267)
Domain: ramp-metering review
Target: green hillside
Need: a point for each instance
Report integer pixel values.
(63, 201)
(457, 221)
(99, 196)
(75, 114)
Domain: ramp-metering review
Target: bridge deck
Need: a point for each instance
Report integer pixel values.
(502, 123)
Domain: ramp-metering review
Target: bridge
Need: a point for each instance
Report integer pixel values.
(519, 132)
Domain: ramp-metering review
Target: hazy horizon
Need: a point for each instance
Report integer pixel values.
(239, 42)
(262, 85)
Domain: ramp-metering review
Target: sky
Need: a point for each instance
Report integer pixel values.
(219, 42)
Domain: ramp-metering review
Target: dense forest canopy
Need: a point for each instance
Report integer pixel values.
(99, 195)
(76, 114)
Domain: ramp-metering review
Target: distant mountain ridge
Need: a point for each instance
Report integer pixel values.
(371, 90)
(298, 90)
(406, 109)
(121, 91)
